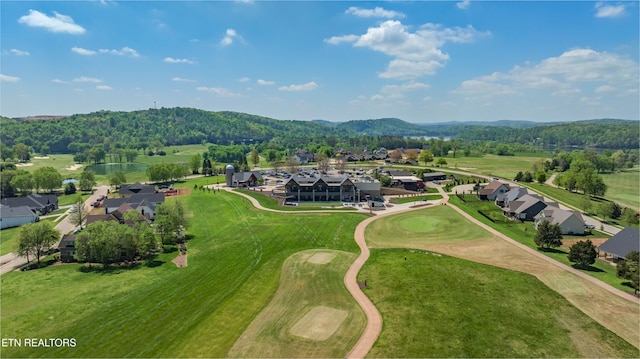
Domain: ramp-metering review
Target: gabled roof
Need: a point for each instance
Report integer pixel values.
(557, 215)
(246, 176)
(15, 212)
(329, 180)
(395, 173)
(31, 201)
(92, 218)
(512, 194)
(68, 240)
(624, 242)
(153, 198)
(136, 188)
(433, 174)
(491, 187)
(525, 202)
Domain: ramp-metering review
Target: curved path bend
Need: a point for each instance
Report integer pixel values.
(374, 319)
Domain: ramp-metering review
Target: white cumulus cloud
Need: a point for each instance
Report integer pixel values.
(463, 4)
(104, 87)
(563, 75)
(81, 51)
(58, 81)
(55, 23)
(375, 12)
(125, 51)
(605, 10)
(230, 35)
(171, 60)
(415, 54)
(19, 52)
(7, 78)
(180, 79)
(303, 87)
(218, 91)
(87, 79)
(265, 82)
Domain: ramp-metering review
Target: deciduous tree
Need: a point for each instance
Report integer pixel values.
(629, 269)
(37, 238)
(47, 178)
(87, 180)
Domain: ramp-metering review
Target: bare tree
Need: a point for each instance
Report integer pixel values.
(78, 214)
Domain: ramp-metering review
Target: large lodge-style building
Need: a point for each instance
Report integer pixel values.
(322, 188)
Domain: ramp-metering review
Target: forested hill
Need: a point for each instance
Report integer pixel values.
(618, 134)
(179, 126)
(170, 126)
(383, 127)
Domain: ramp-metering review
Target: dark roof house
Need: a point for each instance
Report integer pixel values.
(16, 216)
(621, 244)
(136, 188)
(524, 208)
(38, 203)
(510, 195)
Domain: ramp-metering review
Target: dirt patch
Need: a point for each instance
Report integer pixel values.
(321, 258)
(181, 260)
(320, 323)
(75, 167)
(569, 242)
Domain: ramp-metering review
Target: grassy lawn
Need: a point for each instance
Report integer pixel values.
(307, 281)
(435, 306)
(624, 187)
(524, 232)
(234, 262)
(492, 165)
(428, 197)
(9, 240)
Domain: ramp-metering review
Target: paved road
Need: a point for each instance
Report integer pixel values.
(11, 261)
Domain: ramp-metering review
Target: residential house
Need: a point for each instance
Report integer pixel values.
(321, 188)
(622, 243)
(304, 157)
(510, 196)
(39, 204)
(16, 216)
(570, 222)
(136, 188)
(524, 208)
(245, 179)
(145, 204)
(67, 247)
(491, 191)
(434, 176)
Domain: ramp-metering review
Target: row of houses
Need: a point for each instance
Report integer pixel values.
(518, 204)
(15, 211)
(136, 197)
(329, 189)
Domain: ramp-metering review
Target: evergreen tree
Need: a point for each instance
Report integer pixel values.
(548, 235)
(583, 253)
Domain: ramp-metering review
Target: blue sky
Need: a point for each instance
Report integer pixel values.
(422, 62)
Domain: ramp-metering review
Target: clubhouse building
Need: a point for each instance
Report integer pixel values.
(328, 189)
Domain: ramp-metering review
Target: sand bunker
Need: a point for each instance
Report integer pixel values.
(321, 258)
(319, 324)
(24, 164)
(40, 157)
(74, 167)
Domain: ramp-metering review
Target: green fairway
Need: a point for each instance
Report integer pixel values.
(309, 279)
(437, 224)
(435, 306)
(235, 255)
(492, 165)
(624, 187)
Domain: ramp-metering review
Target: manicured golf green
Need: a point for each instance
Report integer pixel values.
(435, 306)
(235, 255)
(436, 224)
(309, 279)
